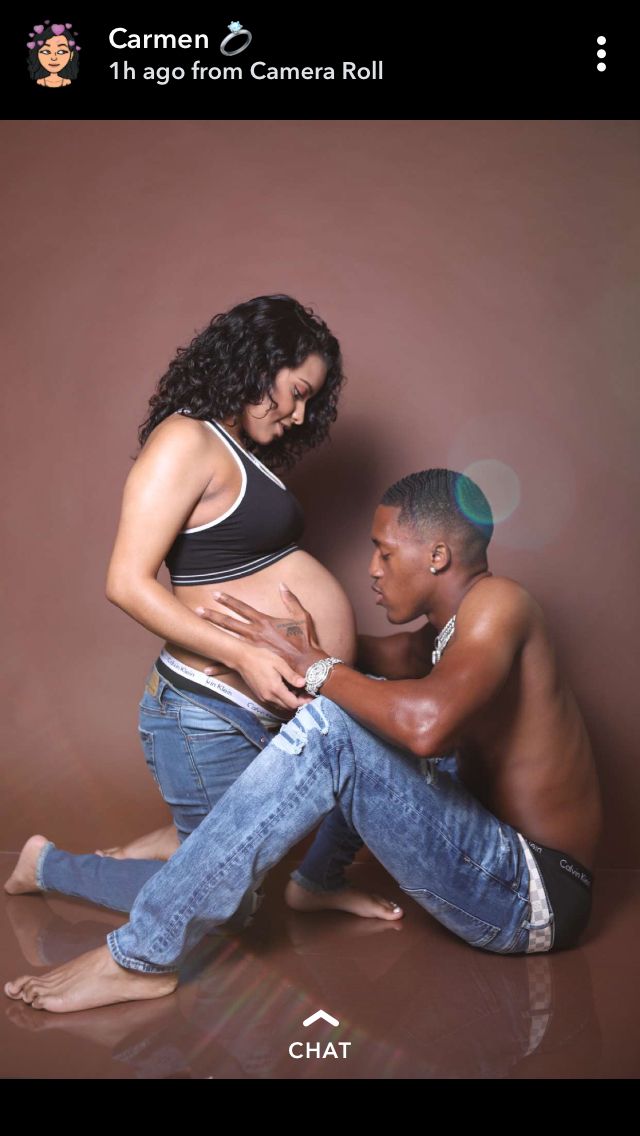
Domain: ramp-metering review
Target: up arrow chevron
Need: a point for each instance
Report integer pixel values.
(321, 1014)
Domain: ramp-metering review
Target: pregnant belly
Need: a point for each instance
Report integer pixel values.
(318, 591)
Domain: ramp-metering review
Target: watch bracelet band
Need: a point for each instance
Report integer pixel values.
(318, 673)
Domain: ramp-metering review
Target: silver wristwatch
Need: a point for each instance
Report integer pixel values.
(318, 673)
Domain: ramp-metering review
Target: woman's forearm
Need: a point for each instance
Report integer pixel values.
(151, 605)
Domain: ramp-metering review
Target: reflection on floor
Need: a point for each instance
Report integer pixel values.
(411, 1000)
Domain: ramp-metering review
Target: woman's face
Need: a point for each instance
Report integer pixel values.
(55, 54)
(292, 388)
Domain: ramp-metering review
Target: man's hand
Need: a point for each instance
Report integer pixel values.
(294, 639)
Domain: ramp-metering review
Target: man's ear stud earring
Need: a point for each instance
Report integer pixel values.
(434, 570)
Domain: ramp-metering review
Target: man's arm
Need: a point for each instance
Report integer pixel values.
(425, 716)
(405, 655)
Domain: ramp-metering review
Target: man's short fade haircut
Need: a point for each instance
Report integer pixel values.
(448, 500)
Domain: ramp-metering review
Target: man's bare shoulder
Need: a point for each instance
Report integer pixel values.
(496, 603)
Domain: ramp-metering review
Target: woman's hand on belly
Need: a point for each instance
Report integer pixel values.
(266, 673)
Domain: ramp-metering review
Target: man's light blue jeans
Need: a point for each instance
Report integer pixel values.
(442, 846)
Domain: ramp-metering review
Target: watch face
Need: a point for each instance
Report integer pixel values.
(316, 675)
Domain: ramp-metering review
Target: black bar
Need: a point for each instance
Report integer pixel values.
(528, 64)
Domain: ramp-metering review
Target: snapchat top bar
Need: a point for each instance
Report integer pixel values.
(339, 65)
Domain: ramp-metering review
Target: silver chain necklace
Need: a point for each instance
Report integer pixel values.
(442, 639)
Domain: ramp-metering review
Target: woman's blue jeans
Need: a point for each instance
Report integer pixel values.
(458, 861)
(196, 747)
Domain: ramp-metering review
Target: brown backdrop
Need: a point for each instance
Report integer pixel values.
(482, 278)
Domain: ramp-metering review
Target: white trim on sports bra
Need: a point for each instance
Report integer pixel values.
(254, 459)
(239, 570)
(227, 439)
(243, 487)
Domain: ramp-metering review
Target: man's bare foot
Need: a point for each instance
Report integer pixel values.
(23, 876)
(366, 904)
(94, 979)
(157, 845)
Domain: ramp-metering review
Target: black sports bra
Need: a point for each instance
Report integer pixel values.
(261, 527)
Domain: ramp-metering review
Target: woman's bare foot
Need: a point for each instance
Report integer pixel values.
(94, 979)
(157, 845)
(315, 937)
(105, 1026)
(365, 904)
(23, 877)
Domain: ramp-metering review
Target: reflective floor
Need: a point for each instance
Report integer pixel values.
(410, 999)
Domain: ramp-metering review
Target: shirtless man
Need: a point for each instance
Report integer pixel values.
(499, 849)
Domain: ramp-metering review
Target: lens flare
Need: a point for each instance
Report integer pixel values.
(500, 485)
(530, 454)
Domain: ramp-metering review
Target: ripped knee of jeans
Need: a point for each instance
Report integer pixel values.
(292, 737)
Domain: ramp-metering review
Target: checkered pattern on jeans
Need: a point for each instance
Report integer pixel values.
(540, 938)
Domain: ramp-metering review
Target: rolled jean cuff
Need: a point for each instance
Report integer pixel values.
(309, 885)
(134, 964)
(40, 863)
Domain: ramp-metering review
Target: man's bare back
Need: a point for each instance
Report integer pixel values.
(526, 755)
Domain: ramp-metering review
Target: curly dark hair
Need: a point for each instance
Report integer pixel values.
(233, 362)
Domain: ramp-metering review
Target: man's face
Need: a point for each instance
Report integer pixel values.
(399, 567)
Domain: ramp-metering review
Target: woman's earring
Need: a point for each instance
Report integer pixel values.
(434, 570)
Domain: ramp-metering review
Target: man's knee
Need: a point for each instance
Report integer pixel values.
(324, 715)
(315, 720)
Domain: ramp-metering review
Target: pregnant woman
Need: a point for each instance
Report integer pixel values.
(263, 378)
